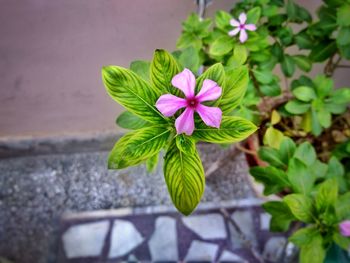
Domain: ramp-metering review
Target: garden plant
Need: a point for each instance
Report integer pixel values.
(247, 73)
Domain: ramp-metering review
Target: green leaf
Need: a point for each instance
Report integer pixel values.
(189, 58)
(275, 117)
(343, 242)
(163, 68)
(281, 215)
(272, 156)
(303, 15)
(340, 96)
(184, 176)
(273, 137)
(197, 26)
(141, 68)
(335, 168)
(336, 108)
(232, 129)
(264, 77)
(343, 14)
(304, 41)
(304, 93)
(253, 15)
(277, 51)
(188, 39)
(316, 127)
(334, 3)
(216, 73)
(274, 180)
(324, 117)
(288, 66)
(323, 85)
(151, 163)
(327, 195)
(291, 9)
(323, 51)
(302, 62)
(132, 92)
(222, 19)
(271, 90)
(184, 144)
(234, 89)
(127, 120)
(301, 179)
(343, 36)
(342, 206)
(277, 20)
(137, 146)
(318, 169)
(287, 149)
(313, 251)
(270, 10)
(300, 206)
(306, 153)
(240, 54)
(303, 236)
(345, 51)
(221, 46)
(285, 34)
(297, 107)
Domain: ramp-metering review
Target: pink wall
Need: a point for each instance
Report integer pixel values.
(51, 53)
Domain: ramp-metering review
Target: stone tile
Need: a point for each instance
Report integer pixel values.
(124, 238)
(265, 219)
(201, 251)
(163, 242)
(207, 226)
(132, 258)
(274, 248)
(85, 240)
(228, 256)
(245, 221)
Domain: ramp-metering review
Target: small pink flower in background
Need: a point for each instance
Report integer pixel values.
(344, 228)
(241, 27)
(169, 104)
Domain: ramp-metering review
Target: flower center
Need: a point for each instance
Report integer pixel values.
(192, 103)
(241, 26)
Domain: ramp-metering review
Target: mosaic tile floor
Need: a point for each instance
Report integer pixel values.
(162, 234)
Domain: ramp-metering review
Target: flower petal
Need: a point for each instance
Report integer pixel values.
(242, 18)
(243, 36)
(234, 22)
(234, 32)
(345, 228)
(186, 82)
(250, 27)
(210, 115)
(209, 91)
(169, 104)
(185, 122)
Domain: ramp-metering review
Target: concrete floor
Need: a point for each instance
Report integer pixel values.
(36, 190)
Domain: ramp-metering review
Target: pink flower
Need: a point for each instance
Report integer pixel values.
(241, 26)
(344, 228)
(169, 104)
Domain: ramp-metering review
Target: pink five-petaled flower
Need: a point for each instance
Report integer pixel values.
(344, 228)
(241, 26)
(169, 104)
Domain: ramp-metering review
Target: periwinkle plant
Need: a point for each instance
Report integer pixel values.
(174, 111)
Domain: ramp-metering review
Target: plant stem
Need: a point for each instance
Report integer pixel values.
(343, 66)
(245, 150)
